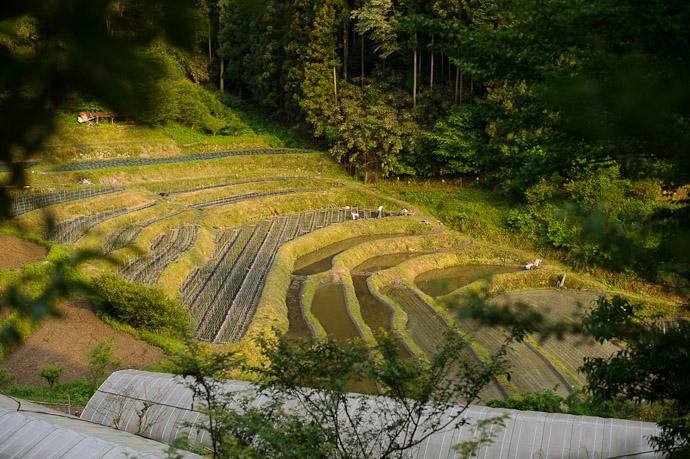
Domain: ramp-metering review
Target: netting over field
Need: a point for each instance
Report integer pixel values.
(4, 167)
(71, 231)
(24, 203)
(222, 296)
(165, 249)
(133, 162)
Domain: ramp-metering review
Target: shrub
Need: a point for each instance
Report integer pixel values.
(577, 403)
(547, 402)
(100, 359)
(140, 306)
(52, 373)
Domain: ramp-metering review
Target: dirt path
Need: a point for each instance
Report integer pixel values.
(15, 252)
(66, 340)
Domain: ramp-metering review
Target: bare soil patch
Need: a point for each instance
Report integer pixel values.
(16, 252)
(66, 340)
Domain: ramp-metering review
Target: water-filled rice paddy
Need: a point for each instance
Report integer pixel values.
(298, 327)
(386, 261)
(329, 308)
(321, 260)
(439, 282)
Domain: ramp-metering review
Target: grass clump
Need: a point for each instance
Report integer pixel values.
(77, 392)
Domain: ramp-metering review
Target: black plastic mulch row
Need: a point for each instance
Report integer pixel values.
(133, 162)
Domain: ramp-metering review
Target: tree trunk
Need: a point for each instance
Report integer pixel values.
(222, 83)
(362, 64)
(414, 77)
(457, 78)
(345, 52)
(209, 45)
(443, 70)
(461, 78)
(431, 74)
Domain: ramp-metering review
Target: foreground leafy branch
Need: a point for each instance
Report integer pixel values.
(304, 405)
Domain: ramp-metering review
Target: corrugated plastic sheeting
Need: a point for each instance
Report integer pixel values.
(526, 434)
(39, 432)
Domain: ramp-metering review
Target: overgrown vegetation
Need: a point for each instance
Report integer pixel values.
(101, 361)
(576, 403)
(52, 374)
(140, 306)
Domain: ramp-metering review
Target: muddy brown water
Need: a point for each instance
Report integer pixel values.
(439, 282)
(375, 314)
(298, 327)
(386, 261)
(321, 260)
(328, 306)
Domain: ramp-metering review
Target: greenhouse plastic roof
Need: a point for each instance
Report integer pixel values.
(28, 430)
(170, 409)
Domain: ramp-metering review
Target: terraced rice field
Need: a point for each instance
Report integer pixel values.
(426, 329)
(320, 260)
(212, 241)
(134, 162)
(222, 296)
(534, 366)
(298, 327)
(164, 250)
